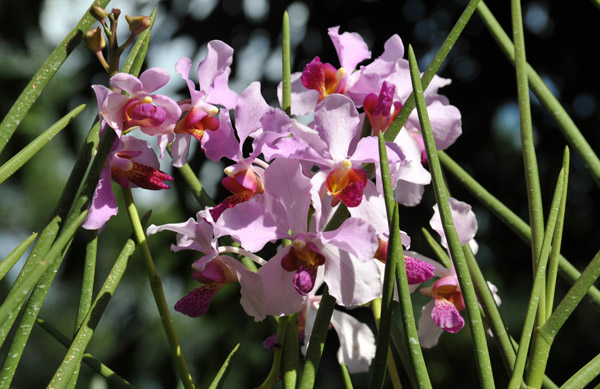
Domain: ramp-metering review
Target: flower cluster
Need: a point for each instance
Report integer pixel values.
(287, 189)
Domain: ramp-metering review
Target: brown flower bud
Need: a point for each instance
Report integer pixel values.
(116, 12)
(98, 12)
(137, 24)
(95, 40)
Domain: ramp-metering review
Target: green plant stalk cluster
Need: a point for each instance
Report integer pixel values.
(441, 194)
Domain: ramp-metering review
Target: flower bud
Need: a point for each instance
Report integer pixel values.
(98, 12)
(137, 24)
(95, 40)
(116, 12)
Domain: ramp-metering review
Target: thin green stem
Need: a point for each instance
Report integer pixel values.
(157, 291)
(87, 281)
(42, 77)
(383, 335)
(195, 186)
(346, 376)
(462, 271)
(439, 251)
(219, 379)
(532, 181)
(508, 217)
(570, 131)
(492, 314)
(275, 372)
(391, 363)
(72, 359)
(13, 257)
(432, 69)
(415, 354)
(585, 375)
(290, 363)
(317, 341)
(563, 311)
(112, 378)
(286, 67)
(556, 242)
(21, 158)
(536, 291)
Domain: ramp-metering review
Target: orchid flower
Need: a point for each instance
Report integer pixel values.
(334, 146)
(343, 255)
(131, 163)
(443, 313)
(153, 114)
(202, 118)
(372, 210)
(319, 80)
(244, 178)
(213, 270)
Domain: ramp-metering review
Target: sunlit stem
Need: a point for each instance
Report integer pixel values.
(157, 290)
(441, 194)
(536, 291)
(241, 251)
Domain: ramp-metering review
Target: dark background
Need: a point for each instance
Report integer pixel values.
(130, 339)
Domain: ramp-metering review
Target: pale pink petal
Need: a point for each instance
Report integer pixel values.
(303, 100)
(464, 219)
(103, 205)
(355, 236)
(251, 288)
(127, 82)
(221, 143)
(284, 181)
(429, 333)
(337, 123)
(280, 296)
(251, 108)
(350, 46)
(357, 342)
(350, 281)
(154, 78)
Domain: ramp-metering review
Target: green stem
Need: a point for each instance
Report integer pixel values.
(87, 282)
(439, 251)
(40, 80)
(13, 257)
(219, 379)
(37, 283)
(112, 378)
(536, 291)
(557, 241)
(508, 217)
(286, 67)
(346, 376)
(410, 327)
(21, 158)
(560, 315)
(570, 131)
(74, 355)
(157, 291)
(391, 363)
(383, 335)
(432, 69)
(462, 271)
(275, 372)
(195, 186)
(585, 375)
(317, 341)
(290, 363)
(532, 180)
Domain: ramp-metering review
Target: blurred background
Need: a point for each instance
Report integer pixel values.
(130, 338)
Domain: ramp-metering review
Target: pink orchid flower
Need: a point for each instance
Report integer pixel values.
(343, 255)
(131, 163)
(213, 270)
(202, 119)
(154, 114)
